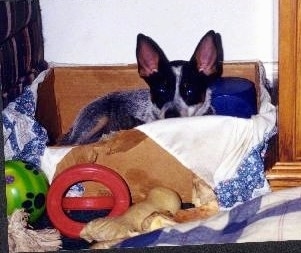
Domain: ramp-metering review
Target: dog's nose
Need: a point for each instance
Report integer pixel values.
(172, 114)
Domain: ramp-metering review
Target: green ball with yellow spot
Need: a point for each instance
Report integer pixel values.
(26, 187)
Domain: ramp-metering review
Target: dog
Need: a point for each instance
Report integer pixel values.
(176, 89)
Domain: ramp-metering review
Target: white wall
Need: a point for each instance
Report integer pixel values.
(104, 31)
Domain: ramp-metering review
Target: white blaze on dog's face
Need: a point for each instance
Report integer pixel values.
(178, 88)
(178, 107)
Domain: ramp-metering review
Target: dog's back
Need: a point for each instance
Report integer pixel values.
(113, 112)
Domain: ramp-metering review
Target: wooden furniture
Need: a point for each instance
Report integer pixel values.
(286, 170)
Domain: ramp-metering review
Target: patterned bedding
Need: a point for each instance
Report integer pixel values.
(272, 217)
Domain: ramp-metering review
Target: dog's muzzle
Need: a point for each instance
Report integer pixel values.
(171, 113)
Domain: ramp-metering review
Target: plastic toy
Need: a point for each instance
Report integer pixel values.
(58, 203)
(26, 187)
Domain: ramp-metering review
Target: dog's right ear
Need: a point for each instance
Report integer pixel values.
(206, 55)
(149, 56)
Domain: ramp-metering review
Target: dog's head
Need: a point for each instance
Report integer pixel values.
(179, 88)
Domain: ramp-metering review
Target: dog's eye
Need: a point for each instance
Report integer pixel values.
(187, 90)
(161, 94)
(191, 94)
(163, 89)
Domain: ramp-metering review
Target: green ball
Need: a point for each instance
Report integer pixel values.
(26, 187)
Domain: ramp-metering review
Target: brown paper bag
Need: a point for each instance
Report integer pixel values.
(141, 162)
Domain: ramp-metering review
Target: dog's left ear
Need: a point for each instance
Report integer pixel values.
(149, 56)
(205, 56)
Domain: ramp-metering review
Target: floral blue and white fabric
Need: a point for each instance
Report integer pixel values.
(24, 138)
(273, 217)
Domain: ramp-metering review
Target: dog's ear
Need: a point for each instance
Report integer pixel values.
(149, 56)
(205, 56)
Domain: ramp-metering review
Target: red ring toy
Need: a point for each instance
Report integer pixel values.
(56, 201)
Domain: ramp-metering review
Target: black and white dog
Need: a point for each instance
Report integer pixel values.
(176, 89)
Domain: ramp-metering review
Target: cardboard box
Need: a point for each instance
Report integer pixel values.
(139, 160)
(67, 89)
